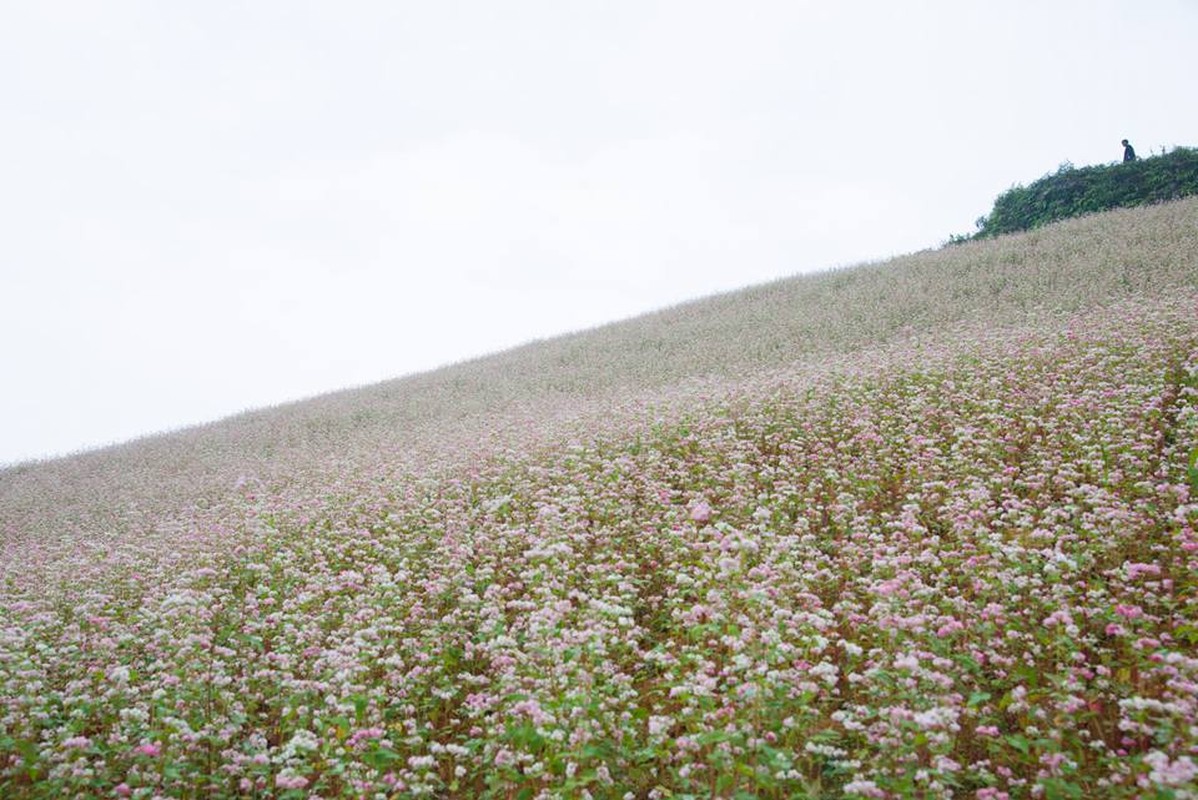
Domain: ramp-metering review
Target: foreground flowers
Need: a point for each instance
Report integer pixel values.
(955, 573)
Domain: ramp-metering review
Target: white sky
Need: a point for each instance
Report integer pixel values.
(209, 206)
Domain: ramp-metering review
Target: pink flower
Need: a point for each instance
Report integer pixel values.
(77, 743)
(291, 781)
(864, 789)
(1130, 612)
(150, 750)
(949, 627)
(122, 790)
(1136, 570)
(1052, 762)
(366, 734)
(701, 511)
(1165, 772)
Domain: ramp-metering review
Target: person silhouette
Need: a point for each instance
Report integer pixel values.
(1129, 152)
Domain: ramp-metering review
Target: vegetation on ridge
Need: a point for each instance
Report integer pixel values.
(1073, 191)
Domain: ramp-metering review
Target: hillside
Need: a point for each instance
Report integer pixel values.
(920, 528)
(424, 419)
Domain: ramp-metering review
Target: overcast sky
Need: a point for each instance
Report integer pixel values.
(209, 206)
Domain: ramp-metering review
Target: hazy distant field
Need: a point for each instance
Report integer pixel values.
(923, 528)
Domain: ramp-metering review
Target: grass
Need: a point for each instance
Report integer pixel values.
(924, 528)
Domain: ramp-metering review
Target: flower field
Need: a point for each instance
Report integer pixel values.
(921, 529)
(930, 572)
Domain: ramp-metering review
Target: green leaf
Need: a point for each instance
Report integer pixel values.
(1192, 471)
(1060, 789)
(360, 702)
(525, 736)
(595, 752)
(342, 726)
(381, 757)
(1187, 633)
(713, 737)
(977, 698)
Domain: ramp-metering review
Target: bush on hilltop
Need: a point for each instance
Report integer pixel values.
(1072, 191)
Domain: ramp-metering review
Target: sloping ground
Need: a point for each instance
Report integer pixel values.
(424, 420)
(926, 571)
(955, 555)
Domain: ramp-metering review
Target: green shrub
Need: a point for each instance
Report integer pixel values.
(1071, 192)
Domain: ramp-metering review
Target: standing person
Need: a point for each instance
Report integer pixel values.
(1129, 152)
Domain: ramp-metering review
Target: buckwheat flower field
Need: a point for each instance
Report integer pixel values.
(962, 565)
